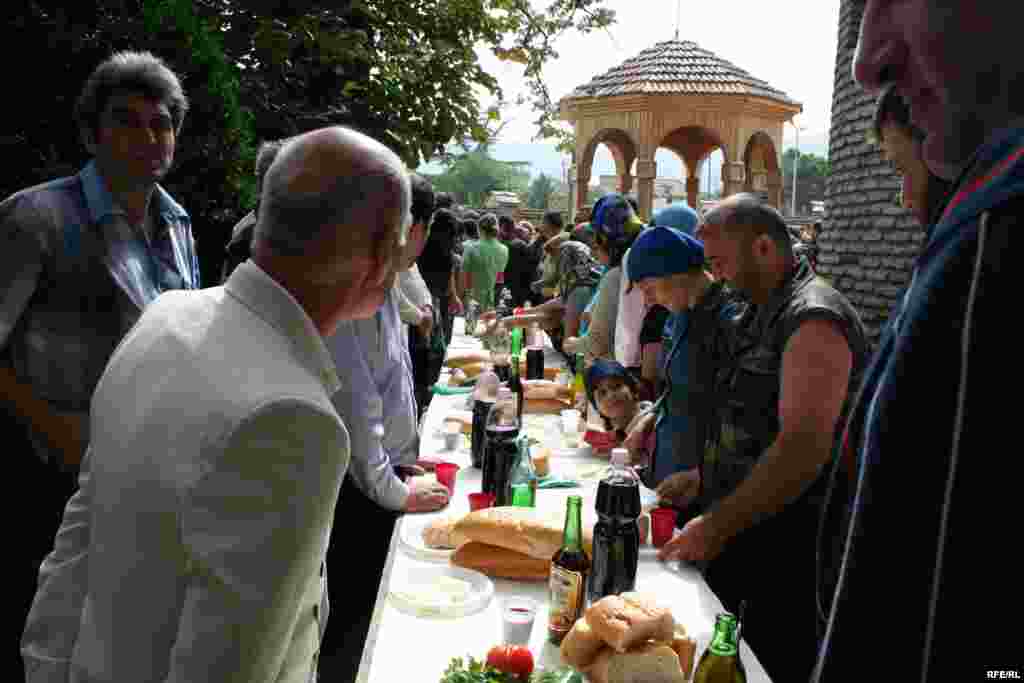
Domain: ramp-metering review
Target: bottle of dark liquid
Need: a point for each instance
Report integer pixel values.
(567, 584)
(534, 353)
(502, 449)
(721, 663)
(616, 534)
(484, 395)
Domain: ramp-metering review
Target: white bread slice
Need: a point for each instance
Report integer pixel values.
(629, 619)
(649, 663)
(580, 646)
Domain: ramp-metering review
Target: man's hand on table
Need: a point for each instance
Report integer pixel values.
(426, 495)
(699, 541)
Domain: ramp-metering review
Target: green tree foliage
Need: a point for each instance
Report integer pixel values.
(810, 181)
(541, 189)
(472, 175)
(405, 73)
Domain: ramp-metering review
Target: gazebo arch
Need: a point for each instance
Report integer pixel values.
(678, 96)
(761, 168)
(624, 152)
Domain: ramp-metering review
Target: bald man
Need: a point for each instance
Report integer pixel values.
(194, 548)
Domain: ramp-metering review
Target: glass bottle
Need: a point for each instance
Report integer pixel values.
(721, 663)
(522, 481)
(579, 387)
(567, 584)
(514, 381)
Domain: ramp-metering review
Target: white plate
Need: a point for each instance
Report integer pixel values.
(405, 593)
(410, 539)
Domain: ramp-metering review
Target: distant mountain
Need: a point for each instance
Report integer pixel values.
(546, 159)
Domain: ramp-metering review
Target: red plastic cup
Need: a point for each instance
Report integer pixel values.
(663, 525)
(479, 501)
(445, 473)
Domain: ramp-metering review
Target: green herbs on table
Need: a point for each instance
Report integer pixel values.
(476, 671)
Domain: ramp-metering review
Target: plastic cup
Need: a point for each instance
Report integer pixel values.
(517, 616)
(571, 427)
(452, 435)
(663, 525)
(480, 500)
(445, 473)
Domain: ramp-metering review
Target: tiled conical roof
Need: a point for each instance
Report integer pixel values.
(678, 67)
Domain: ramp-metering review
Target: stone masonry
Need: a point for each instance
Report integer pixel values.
(868, 243)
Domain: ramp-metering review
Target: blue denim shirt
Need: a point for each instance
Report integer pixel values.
(74, 278)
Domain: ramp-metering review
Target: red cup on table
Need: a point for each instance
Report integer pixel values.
(445, 473)
(480, 500)
(663, 525)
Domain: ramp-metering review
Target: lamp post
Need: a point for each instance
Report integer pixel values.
(796, 163)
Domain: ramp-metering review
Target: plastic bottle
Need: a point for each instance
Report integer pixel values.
(485, 393)
(617, 533)
(502, 449)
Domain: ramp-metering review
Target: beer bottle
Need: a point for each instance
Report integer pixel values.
(721, 663)
(579, 388)
(567, 583)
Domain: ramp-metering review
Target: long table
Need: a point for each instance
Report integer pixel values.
(402, 647)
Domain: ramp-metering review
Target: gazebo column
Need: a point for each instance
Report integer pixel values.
(646, 172)
(581, 187)
(733, 178)
(692, 191)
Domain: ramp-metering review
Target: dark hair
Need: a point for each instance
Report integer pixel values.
(422, 198)
(891, 108)
(136, 72)
(469, 228)
(506, 221)
(488, 225)
(754, 217)
(264, 158)
(443, 200)
(616, 248)
(632, 202)
(435, 261)
(554, 218)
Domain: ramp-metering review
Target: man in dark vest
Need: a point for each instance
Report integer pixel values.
(778, 396)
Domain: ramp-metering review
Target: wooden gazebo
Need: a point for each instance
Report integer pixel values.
(681, 97)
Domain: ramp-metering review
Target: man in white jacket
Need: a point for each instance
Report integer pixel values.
(194, 548)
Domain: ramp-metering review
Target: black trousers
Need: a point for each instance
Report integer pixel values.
(772, 567)
(35, 516)
(356, 556)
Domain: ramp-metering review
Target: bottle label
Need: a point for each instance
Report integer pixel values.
(566, 589)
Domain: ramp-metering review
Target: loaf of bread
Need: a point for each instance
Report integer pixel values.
(460, 359)
(581, 645)
(647, 663)
(629, 619)
(474, 369)
(501, 563)
(686, 649)
(524, 530)
(545, 406)
(440, 533)
(545, 389)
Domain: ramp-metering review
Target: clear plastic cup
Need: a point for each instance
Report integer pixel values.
(517, 616)
(452, 435)
(571, 427)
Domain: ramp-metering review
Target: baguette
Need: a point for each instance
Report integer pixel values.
(626, 620)
(440, 533)
(545, 406)
(545, 389)
(524, 530)
(460, 359)
(686, 649)
(648, 663)
(581, 645)
(501, 562)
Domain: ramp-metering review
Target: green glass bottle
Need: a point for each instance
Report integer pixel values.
(579, 388)
(522, 481)
(567, 583)
(721, 663)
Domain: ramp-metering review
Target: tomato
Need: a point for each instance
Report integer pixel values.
(511, 659)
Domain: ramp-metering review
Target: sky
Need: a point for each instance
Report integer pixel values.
(790, 45)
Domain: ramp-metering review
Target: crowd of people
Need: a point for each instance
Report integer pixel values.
(199, 459)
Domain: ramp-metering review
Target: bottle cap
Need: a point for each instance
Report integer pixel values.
(620, 456)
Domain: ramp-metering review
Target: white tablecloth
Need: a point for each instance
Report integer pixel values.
(401, 647)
